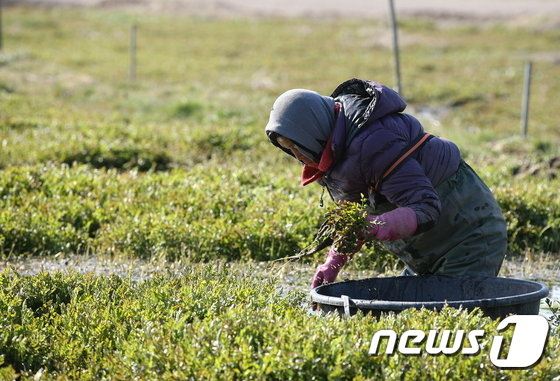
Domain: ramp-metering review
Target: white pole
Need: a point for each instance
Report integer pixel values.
(526, 100)
(1, 36)
(396, 55)
(132, 68)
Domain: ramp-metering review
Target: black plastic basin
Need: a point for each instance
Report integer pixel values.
(496, 297)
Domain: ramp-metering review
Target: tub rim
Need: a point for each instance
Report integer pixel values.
(540, 292)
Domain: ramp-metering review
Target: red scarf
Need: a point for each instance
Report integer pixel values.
(313, 172)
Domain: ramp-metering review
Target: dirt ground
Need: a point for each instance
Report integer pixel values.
(473, 9)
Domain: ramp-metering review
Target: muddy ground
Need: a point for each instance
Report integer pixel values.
(541, 267)
(290, 275)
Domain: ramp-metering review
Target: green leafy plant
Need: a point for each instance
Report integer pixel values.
(344, 225)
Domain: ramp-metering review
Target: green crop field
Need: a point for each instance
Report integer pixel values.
(174, 167)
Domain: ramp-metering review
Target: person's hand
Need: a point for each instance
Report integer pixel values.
(328, 271)
(397, 224)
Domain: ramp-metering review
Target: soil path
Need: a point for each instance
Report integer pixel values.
(473, 9)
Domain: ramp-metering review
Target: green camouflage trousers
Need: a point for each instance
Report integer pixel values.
(470, 237)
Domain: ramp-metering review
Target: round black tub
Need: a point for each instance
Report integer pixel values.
(496, 297)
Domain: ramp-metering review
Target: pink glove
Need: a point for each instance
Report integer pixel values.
(396, 224)
(327, 272)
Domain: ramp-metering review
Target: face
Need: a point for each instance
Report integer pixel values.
(304, 157)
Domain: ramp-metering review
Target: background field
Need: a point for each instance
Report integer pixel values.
(174, 168)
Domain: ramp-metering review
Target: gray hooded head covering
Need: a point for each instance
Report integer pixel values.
(303, 116)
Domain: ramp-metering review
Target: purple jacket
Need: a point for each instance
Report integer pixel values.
(371, 132)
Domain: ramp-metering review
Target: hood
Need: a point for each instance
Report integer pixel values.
(303, 116)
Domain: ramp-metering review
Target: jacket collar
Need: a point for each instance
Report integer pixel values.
(365, 101)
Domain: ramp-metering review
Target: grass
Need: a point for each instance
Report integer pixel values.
(217, 65)
(176, 166)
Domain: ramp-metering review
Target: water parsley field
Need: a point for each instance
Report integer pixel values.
(175, 167)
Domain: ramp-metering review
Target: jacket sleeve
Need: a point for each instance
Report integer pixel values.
(406, 186)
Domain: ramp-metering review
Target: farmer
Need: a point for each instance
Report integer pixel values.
(431, 208)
